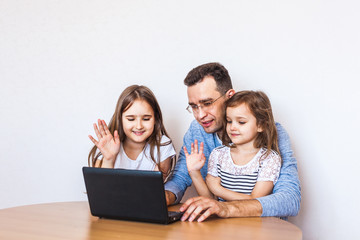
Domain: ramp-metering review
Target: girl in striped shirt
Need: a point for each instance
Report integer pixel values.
(248, 164)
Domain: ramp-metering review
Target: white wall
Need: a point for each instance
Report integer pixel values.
(63, 64)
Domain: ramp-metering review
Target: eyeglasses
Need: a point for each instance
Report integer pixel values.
(194, 108)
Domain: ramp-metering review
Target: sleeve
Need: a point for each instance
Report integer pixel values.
(166, 151)
(286, 197)
(270, 168)
(213, 163)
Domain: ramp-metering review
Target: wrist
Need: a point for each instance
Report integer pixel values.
(243, 208)
(170, 197)
(109, 159)
(107, 163)
(194, 173)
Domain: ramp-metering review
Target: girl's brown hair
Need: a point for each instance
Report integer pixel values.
(259, 105)
(125, 101)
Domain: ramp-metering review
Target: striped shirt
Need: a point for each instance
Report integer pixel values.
(242, 179)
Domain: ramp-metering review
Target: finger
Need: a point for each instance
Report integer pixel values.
(203, 158)
(196, 146)
(201, 148)
(93, 140)
(186, 152)
(205, 215)
(116, 137)
(97, 132)
(188, 212)
(106, 127)
(196, 213)
(101, 127)
(192, 148)
(187, 203)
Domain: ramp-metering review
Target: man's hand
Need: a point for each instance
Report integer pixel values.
(170, 197)
(203, 207)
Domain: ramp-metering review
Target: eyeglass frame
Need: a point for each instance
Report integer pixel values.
(191, 110)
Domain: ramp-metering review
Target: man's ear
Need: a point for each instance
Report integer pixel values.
(230, 93)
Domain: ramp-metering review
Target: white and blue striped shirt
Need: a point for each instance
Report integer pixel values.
(242, 178)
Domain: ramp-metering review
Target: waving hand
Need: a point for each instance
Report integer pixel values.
(196, 159)
(108, 145)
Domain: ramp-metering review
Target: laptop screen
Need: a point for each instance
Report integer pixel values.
(126, 194)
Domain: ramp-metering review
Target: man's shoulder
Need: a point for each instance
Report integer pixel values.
(196, 125)
(278, 125)
(195, 128)
(282, 133)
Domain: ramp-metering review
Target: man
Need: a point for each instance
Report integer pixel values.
(208, 87)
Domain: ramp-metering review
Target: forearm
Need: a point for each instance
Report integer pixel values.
(178, 183)
(180, 179)
(280, 204)
(243, 208)
(229, 195)
(214, 185)
(200, 185)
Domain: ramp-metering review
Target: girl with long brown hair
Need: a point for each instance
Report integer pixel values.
(136, 137)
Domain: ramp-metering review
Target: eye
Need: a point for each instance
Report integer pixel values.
(207, 104)
(130, 119)
(146, 119)
(193, 106)
(228, 121)
(242, 123)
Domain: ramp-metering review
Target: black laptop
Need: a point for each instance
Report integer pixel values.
(124, 194)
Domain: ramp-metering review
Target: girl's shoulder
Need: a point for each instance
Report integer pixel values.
(165, 139)
(271, 156)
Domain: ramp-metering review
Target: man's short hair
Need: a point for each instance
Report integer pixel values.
(215, 70)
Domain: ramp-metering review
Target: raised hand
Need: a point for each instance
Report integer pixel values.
(196, 159)
(108, 145)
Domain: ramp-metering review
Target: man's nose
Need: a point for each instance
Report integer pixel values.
(202, 113)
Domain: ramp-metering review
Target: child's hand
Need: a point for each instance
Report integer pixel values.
(108, 145)
(196, 159)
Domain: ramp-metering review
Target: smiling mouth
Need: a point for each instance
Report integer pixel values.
(207, 123)
(137, 133)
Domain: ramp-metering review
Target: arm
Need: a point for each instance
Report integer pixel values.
(286, 197)
(164, 166)
(108, 145)
(194, 162)
(261, 189)
(180, 179)
(202, 207)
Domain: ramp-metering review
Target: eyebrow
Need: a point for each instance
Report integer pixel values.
(145, 115)
(238, 117)
(202, 101)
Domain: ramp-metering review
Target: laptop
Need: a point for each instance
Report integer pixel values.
(124, 194)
